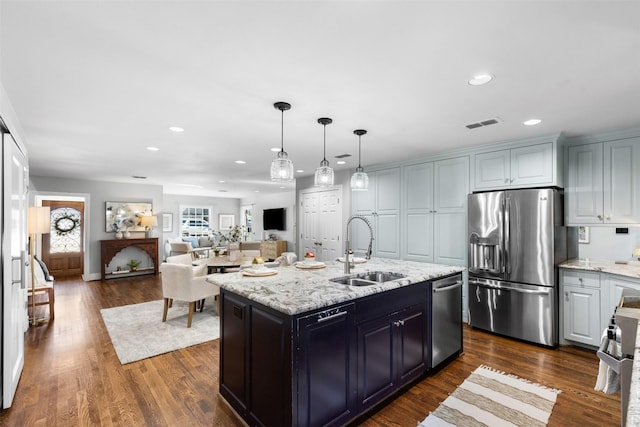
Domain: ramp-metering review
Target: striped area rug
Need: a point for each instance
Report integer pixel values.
(492, 398)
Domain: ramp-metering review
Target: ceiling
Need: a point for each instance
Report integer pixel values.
(95, 83)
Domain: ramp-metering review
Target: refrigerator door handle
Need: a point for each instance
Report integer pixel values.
(542, 290)
(505, 248)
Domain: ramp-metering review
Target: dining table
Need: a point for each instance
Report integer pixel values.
(223, 263)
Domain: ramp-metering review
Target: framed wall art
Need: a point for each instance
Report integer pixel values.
(583, 234)
(125, 216)
(167, 222)
(226, 221)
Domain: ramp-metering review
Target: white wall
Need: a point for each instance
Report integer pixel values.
(218, 205)
(605, 244)
(100, 192)
(286, 199)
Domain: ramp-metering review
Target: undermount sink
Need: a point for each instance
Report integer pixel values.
(369, 278)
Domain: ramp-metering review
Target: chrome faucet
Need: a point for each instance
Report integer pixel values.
(347, 262)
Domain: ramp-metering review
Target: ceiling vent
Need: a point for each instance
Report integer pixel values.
(487, 122)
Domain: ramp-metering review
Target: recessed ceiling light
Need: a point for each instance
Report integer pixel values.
(275, 149)
(480, 79)
(176, 129)
(281, 187)
(153, 149)
(256, 191)
(532, 122)
(222, 181)
(240, 162)
(139, 177)
(300, 171)
(341, 162)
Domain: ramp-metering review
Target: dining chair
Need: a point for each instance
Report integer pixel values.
(180, 283)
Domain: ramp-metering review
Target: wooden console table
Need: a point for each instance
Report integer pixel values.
(272, 249)
(109, 249)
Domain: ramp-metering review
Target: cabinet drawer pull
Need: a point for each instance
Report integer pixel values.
(330, 314)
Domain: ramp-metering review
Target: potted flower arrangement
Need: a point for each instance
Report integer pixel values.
(133, 264)
(232, 236)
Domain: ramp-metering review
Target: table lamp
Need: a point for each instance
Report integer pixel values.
(149, 222)
(39, 222)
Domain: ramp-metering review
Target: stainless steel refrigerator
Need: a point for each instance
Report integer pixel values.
(516, 241)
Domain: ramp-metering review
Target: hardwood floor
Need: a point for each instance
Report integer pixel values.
(72, 376)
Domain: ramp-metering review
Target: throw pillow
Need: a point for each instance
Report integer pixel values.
(192, 240)
(45, 270)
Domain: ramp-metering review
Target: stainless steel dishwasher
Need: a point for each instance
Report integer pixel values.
(446, 318)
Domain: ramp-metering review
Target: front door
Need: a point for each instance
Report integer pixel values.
(321, 221)
(15, 178)
(62, 249)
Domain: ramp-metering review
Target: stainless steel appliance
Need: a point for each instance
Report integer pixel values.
(622, 332)
(446, 318)
(516, 240)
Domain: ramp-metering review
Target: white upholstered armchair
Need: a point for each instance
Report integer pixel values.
(179, 282)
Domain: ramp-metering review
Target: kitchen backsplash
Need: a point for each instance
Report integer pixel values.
(605, 244)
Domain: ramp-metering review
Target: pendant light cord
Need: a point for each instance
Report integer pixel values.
(324, 147)
(359, 150)
(282, 131)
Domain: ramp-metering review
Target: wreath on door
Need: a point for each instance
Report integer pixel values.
(65, 224)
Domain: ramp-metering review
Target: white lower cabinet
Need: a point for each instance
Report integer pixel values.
(588, 300)
(580, 306)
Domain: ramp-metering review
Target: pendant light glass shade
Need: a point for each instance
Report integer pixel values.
(360, 179)
(282, 166)
(324, 172)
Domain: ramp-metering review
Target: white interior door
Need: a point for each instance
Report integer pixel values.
(329, 224)
(320, 223)
(308, 223)
(14, 216)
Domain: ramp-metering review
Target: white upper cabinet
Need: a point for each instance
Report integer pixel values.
(451, 186)
(622, 181)
(380, 204)
(526, 166)
(418, 212)
(434, 213)
(584, 185)
(603, 183)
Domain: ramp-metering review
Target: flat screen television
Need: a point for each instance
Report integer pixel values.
(274, 219)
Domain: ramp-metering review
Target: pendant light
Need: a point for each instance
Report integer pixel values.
(324, 173)
(282, 166)
(359, 180)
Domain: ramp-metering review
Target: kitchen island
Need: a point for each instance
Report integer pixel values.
(300, 350)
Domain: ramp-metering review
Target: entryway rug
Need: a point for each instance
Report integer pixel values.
(138, 332)
(492, 398)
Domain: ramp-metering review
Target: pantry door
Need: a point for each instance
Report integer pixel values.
(15, 178)
(320, 223)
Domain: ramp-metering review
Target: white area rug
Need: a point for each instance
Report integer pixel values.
(491, 398)
(137, 331)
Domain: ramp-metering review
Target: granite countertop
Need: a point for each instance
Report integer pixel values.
(631, 269)
(293, 290)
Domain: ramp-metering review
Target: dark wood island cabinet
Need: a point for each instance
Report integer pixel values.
(324, 367)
